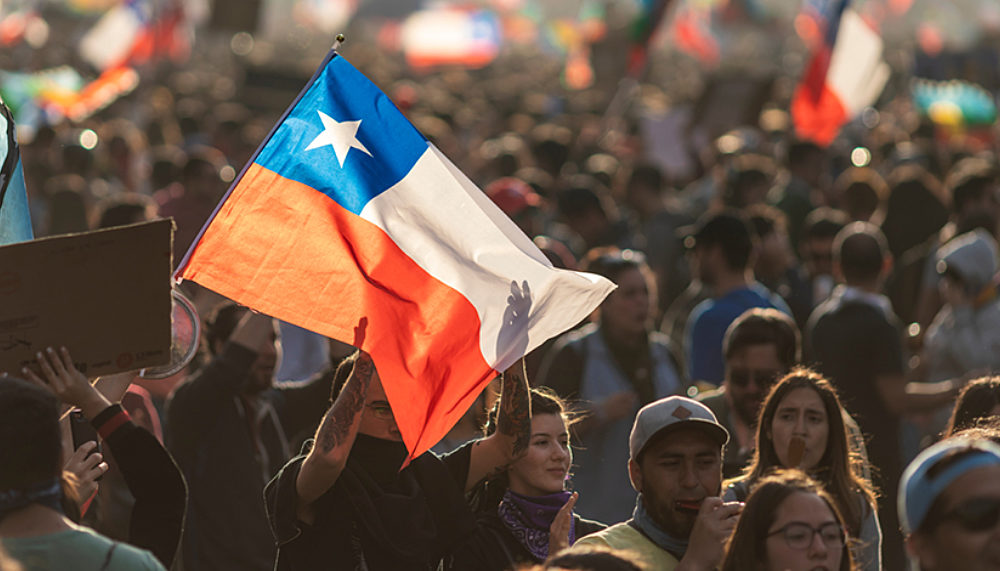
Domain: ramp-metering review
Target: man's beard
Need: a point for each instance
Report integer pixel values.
(747, 412)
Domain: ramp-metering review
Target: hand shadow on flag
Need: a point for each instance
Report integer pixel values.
(359, 332)
(512, 340)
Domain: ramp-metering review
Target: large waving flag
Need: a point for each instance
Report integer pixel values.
(15, 218)
(845, 75)
(349, 223)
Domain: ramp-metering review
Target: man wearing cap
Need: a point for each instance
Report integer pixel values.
(675, 464)
(723, 248)
(949, 506)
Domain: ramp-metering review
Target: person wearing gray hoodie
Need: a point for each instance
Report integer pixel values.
(964, 337)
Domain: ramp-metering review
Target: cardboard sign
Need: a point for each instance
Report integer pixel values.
(104, 295)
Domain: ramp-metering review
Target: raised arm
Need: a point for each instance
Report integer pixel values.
(149, 471)
(334, 438)
(510, 441)
(192, 407)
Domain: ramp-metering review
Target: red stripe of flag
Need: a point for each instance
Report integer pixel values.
(411, 316)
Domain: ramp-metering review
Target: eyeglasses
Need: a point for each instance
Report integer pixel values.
(799, 535)
(741, 377)
(978, 514)
(380, 410)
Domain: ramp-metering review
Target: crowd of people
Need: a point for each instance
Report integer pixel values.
(795, 371)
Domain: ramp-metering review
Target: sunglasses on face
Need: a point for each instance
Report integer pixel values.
(740, 378)
(978, 514)
(799, 535)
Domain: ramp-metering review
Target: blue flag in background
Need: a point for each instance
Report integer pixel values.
(15, 220)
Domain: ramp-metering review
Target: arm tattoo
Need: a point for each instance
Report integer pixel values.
(514, 419)
(338, 420)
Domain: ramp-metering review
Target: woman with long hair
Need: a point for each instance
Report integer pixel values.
(789, 523)
(524, 514)
(979, 401)
(609, 369)
(801, 426)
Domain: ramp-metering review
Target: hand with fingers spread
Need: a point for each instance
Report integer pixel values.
(61, 377)
(87, 466)
(561, 525)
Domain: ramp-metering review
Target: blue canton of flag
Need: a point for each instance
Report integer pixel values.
(374, 145)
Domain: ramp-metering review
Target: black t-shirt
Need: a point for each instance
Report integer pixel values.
(391, 520)
(853, 344)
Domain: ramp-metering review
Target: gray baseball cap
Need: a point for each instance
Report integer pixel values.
(673, 413)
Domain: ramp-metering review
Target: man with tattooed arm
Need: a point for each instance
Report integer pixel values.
(345, 503)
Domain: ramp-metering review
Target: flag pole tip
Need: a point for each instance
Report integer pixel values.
(340, 39)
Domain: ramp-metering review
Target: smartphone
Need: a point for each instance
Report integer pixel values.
(83, 431)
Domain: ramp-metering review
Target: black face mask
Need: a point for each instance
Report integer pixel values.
(381, 459)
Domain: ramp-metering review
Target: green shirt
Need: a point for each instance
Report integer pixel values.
(81, 549)
(623, 536)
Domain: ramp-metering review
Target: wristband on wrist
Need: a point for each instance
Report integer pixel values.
(110, 419)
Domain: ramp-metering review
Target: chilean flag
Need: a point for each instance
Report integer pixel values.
(845, 75)
(349, 223)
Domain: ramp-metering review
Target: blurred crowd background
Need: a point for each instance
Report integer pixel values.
(590, 123)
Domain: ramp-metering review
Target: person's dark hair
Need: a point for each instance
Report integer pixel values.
(543, 401)
(861, 249)
(969, 180)
(862, 191)
(839, 470)
(591, 558)
(764, 326)
(800, 152)
(199, 160)
(647, 175)
(976, 401)
(30, 433)
(556, 252)
(747, 546)
(824, 222)
(765, 220)
(746, 172)
(124, 209)
(166, 166)
(221, 323)
(69, 204)
(611, 262)
(915, 210)
(550, 147)
(579, 200)
(729, 230)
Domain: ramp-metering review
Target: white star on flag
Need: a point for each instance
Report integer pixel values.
(341, 135)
